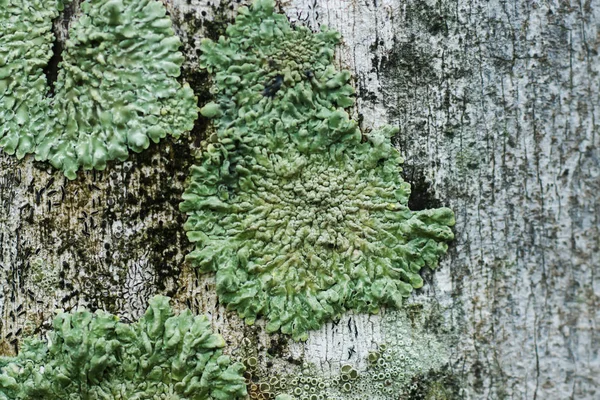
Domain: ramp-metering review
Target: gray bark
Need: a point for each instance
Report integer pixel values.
(498, 108)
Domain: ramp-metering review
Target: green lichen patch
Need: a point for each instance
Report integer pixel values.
(25, 48)
(299, 214)
(116, 90)
(95, 356)
(43, 275)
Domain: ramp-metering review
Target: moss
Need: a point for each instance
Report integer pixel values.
(116, 89)
(94, 356)
(300, 215)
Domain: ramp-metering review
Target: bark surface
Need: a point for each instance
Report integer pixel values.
(498, 108)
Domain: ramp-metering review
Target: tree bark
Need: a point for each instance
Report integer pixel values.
(498, 107)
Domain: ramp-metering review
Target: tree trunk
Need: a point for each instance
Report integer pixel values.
(497, 104)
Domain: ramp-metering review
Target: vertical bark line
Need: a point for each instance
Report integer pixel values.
(60, 28)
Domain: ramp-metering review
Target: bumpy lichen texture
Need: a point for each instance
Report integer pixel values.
(25, 49)
(300, 214)
(116, 90)
(410, 354)
(94, 356)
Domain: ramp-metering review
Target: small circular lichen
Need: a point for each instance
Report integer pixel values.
(410, 354)
(116, 90)
(251, 362)
(300, 215)
(94, 356)
(373, 357)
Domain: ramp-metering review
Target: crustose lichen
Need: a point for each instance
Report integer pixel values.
(300, 215)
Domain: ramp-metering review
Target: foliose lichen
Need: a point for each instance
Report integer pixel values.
(116, 90)
(25, 48)
(95, 356)
(300, 214)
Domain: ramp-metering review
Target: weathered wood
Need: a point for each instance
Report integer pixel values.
(497, 103)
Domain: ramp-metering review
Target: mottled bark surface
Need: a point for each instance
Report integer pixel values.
(497, 104)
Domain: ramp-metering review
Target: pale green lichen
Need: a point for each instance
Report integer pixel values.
(43, 275)
(25, 48)
(94, 356)
(300, 215)
(394, 369)
(116, 90)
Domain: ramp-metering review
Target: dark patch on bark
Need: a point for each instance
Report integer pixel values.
(422, 195)
(217, 27)
(167, 237)
(199, 81)
(198, 78)
(278, 347)
(435, 385)
(408, 61)
(210, 29)
(161, 191)
(51, 69)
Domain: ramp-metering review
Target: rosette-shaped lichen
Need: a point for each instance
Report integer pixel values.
(116, 90)
(300, 215)
(94, 356)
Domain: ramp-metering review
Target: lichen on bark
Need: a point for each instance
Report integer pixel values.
(299, 213)
(95, 356)
(116, 90)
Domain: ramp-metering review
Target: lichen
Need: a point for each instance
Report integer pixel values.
(43, 275)
(300, 214)
(116, 90)
(95, 356)
(25, 48)
(411, 363)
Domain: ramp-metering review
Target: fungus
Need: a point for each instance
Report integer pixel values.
(116, 90)
(300, 215)
(94, 356)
